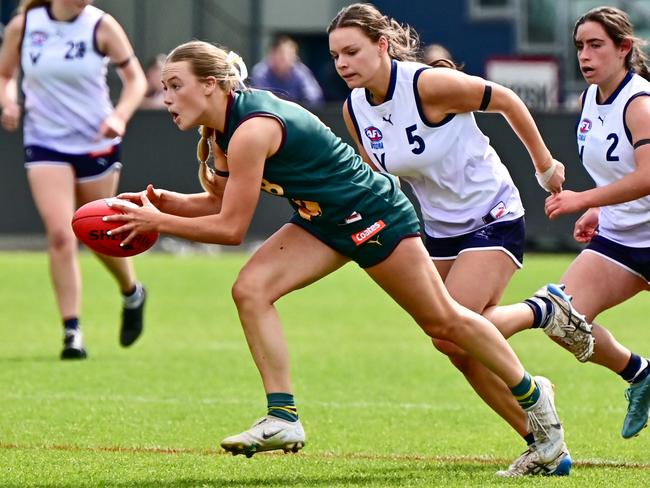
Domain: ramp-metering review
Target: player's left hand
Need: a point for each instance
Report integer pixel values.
(557, 180)
(112, 126)
(154, 195)
(562, 203)
(552, 179)
(136, 220)
(10, 118)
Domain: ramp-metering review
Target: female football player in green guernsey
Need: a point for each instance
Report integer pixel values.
(343, 211)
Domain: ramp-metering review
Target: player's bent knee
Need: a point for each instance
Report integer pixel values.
(442, 325)
(438, 330)
(448, 348)
(248, 290)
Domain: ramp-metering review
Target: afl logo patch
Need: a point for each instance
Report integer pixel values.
(583, 129)
(585, 126)
(37, 38)
(375, 136)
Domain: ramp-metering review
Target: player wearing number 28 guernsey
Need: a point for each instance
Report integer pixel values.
(66, 96)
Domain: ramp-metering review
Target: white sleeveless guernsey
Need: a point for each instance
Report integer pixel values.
(605, 147)
(64, 81)
(457, 177)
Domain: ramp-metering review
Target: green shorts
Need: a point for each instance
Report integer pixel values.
(372, 238)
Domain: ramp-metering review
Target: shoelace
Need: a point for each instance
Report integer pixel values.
(535, 424)
(633, 400)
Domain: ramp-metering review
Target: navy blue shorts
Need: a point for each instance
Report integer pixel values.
(635, 259)
(508, 237)
(86, 166)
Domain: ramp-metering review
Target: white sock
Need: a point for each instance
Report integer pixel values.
(135, 299)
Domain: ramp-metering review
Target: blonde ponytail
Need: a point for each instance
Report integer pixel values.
(203, 152)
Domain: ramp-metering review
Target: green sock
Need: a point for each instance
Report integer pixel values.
(526, 392)
(282, 406)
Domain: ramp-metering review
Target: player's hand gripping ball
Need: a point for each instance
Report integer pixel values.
(92, 231)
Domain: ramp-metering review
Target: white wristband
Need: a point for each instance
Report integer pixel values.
(545, 177)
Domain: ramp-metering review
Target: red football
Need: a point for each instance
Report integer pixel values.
(91, 230)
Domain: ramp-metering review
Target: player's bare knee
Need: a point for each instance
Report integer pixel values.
(61, 241)
(438, 329)
(441, 325)
(248, 290)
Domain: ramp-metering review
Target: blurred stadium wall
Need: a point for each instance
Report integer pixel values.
(475, 31)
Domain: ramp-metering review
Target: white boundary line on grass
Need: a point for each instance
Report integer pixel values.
(586, 463)
(437, 406)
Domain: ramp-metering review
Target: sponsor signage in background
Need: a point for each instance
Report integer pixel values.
(535, 79)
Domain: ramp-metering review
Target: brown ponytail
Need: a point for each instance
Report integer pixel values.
(26, 5)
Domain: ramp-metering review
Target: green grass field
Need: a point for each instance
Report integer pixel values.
(380, 406)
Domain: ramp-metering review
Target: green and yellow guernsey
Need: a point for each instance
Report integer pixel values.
(325, 180)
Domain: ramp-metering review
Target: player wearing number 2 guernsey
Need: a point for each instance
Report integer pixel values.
(64, 108)
(607, 152)
(458, 178)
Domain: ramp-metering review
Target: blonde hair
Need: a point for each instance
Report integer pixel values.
(618, 27)
(26, 5)
(403, 40)
(207, 60)
(203, 153)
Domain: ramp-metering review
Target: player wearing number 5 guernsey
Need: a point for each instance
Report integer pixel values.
(458, 178)
(416, 121)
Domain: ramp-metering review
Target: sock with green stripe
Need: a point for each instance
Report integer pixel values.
(282, 406)
(526, 392)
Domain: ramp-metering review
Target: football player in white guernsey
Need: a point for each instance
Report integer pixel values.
(614, 146)
(417, 123)
(72, 134)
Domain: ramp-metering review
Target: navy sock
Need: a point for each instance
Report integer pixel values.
(530, 439)
(541, 307)
(71, 323)
(282, 406)
(636, 370)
